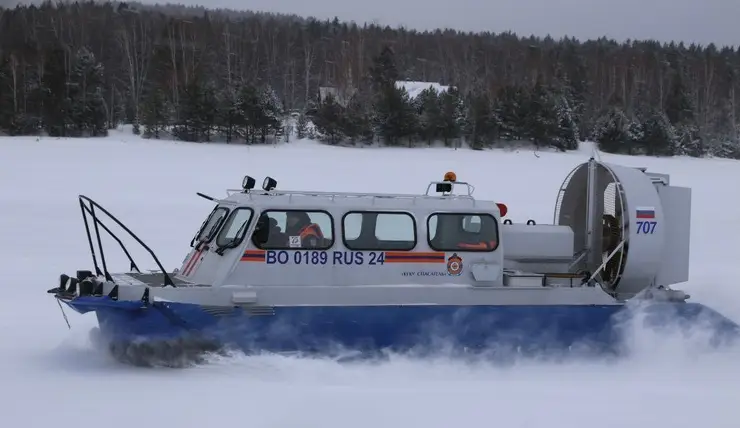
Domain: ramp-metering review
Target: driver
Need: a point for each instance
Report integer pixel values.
(261, 232)
(478, 242)
(299, 224)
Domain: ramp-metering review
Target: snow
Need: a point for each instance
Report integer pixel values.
(51, 375)
(415, 88)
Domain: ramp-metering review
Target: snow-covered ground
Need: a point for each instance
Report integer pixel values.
(50, 376)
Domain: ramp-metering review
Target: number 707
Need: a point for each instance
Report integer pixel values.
(646, 227)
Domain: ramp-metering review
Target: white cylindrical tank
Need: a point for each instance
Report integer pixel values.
(537, 247)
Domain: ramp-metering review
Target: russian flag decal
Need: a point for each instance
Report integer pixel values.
(645, 212)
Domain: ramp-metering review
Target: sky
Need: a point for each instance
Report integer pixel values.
(690, 21)
(700, 21)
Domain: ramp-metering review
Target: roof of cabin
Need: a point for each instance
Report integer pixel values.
(322, 200)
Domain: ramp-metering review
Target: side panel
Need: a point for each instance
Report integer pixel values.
(398, 295)
(342, 267)
(674, 266)
(339, 266)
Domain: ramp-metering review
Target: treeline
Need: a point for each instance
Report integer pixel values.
(79, 69)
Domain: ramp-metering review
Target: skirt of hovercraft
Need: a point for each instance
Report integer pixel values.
(174, 353)
(176, 334)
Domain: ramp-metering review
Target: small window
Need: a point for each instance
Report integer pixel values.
(214, 221)
(462, 232)
(389, 231)
(294, 230)
(235, 228)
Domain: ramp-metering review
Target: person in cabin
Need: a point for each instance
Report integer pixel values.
(261, 231)
(299, 224)
(484, 239)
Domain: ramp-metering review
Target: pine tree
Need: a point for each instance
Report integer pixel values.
(394, 117)
(635, 135)
(250, 111)
(88, 112)
(728, 149)
(659, 137)
(611, 131)
(271, 112)
(678, 106)
(155, 113)
(302, 125)
(542, 119)
(482, 123)
(428, 107)
(355, 123)
(228, 117)
(453, 115)
(383, 71)
(679, 111)
(566, 133)
(689, 141)
(328, 119)
(197, 112)
(572, 78)
(513, 108)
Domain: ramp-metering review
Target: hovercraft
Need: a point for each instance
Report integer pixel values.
(313, 272)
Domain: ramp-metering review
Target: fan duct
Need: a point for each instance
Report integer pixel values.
(591, 201)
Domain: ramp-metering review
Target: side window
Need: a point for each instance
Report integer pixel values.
(294, 230)
(209, 229)
(462, 232)
(235, 227)
(391, 231)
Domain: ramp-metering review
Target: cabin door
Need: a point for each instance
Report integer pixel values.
(215, 254)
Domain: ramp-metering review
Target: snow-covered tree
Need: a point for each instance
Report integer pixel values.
(611, 131)
(393, 115)
(87, 110)
(197, 115)
(512, 108)
(659, 136)
(452, 115)
(542, 119)
(262, 111)
(482, 123)
(328, 120)
(427, 105)
(356, 123)
(229, 119)
(566, 133)
(302, 125)
(155, 113)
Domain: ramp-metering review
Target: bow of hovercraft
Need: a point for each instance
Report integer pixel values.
(133, 326)
(136, 328)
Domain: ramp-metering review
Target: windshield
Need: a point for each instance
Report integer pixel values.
(235, 228)
(211, 225)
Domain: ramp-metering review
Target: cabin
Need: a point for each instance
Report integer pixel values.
(443, 236)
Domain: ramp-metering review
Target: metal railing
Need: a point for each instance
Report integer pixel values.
(88, 206)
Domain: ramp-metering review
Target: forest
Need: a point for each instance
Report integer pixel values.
(78, 69)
